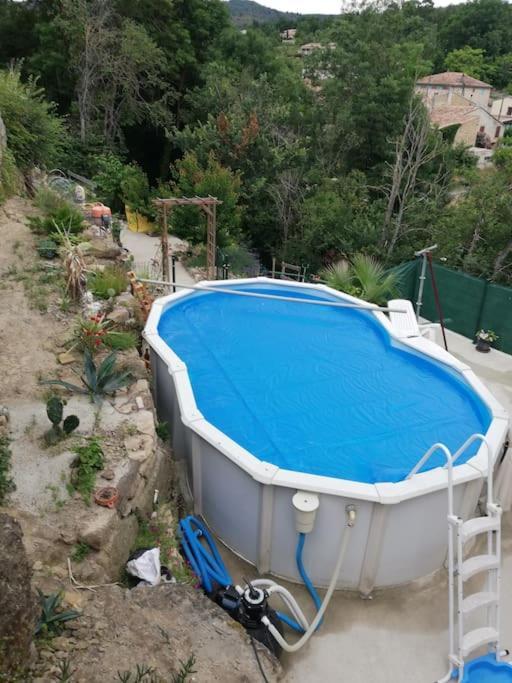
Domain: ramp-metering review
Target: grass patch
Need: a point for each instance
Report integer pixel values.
(162, 429)
(7, 484)
(80, 552)
(147, 674)
(109, 282)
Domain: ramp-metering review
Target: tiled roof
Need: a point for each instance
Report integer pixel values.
(453, 78)
(448, 115)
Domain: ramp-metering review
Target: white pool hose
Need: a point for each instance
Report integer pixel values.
(351, 514)
(274, 588)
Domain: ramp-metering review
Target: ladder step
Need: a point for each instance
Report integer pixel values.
(479, 525)
(475, 639)
(477, 564)
(477, 600)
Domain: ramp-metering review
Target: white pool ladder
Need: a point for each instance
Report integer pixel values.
(460, 570)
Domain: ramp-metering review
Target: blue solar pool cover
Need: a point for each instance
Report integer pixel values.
(318, 389)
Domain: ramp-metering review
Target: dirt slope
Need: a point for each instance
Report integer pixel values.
(26, 334)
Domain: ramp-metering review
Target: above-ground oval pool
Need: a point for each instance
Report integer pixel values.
(268, 396)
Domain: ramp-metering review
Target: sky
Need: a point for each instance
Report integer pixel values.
(318, 6)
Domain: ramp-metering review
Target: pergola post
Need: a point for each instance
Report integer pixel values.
(165, 245)
(211, 240)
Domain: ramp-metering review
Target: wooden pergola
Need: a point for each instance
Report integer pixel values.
(209, 206)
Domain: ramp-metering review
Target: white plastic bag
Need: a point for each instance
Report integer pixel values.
(146, 567)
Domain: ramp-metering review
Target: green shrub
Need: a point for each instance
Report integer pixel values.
(120, 341)
(48, 200)
(163, 431)
(64, 216)
(89, 461)
(118, 184)
(47, 248)
(36, 135)
(10, 178)
(109, 282)
(7, 485)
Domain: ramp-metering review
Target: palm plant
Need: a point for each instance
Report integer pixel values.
(98, 381)
(364, 277)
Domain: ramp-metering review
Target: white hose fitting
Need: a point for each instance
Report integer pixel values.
(351, 520)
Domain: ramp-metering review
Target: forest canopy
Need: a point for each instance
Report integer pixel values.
(310, 155)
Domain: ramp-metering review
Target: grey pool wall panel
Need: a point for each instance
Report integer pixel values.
(401, 530)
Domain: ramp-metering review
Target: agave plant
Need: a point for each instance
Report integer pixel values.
(52, 619)
(364, 277)
(97, 381)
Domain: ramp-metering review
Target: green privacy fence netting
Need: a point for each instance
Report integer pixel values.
(469, 303)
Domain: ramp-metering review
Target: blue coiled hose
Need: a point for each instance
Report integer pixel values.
(208, 566)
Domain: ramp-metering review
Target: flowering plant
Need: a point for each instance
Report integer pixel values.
(91, 332)
(487, 336)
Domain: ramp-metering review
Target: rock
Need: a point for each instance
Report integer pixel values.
(108, 475)
(125, 408)
(119, 316)
(61, 643)
(136, 367)
(126, 299)
(75, 600)
(139, 447)
(68, 537)
(4, 411)
(140, 403)
(92, 232)
(3, 139)
(141, 386)
(67, 357)
(3, 421)
(144, 422)
(98, 528)
(37, 566)
(104, 248)
(19, 608)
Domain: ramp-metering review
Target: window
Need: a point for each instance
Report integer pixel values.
(482, 129)
(498, 130)
(509, 111)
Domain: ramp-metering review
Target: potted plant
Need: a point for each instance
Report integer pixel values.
(484, 339)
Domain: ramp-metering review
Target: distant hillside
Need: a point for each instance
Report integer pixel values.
(247, 12)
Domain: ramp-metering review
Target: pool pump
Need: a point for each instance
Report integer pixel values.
(250, 605)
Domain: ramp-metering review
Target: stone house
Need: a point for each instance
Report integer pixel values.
(288, 35)
(501, 108)
(454, 83)
(454, 99)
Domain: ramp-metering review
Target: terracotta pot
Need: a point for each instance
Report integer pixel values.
(107, 496)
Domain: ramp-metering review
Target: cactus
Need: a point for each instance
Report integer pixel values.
(70, 424)
(55, 412)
